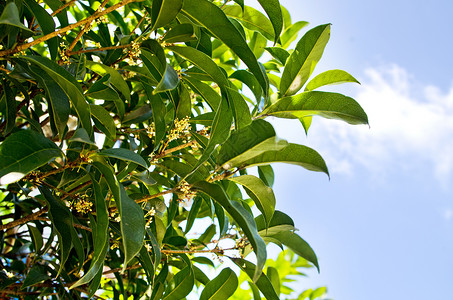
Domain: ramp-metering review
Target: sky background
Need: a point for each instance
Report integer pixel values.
(382, 227)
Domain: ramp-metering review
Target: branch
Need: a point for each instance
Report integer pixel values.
(65, 29)
(26, 219)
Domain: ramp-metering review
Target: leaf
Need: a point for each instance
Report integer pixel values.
(193, 213)
(81, 136)
(306, 122)
(330, 77)
(274, 278)
(103, 121)
(203, 119)
(169, 81)
(250, 80)
(202, 61)
(36, 274)
(303, 60)
(324, 104)
(184, 108)
(184, 282)
(69, 85)
(10, 107)
(116, 79)
(132, 226)
(139, 115)
(241, 113)
(248, 142)
(220, 131)
(158, 108)
(262, 195)
(215, 21)
(291, 154)
(164, 11)
(100, 238)
(124, 154)
(266, 174)
(221, 287)
(262, 282)
(180, 33)
(242, 217)
(274, 12)
(290, 33)
(279, 53)
(46, 23)
(23, 152)
(37, 238)
(251, 19)
(10, 16)
(205, 91)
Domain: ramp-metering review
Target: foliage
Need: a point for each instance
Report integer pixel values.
(128, 131)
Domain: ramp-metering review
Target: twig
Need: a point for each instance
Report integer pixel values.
(98, 49)
(146, 198)
(174, 149)
(62, 7)
(26, 219)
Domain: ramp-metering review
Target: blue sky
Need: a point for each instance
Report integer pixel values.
(383, 225)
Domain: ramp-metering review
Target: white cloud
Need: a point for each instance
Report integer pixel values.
(411, 127)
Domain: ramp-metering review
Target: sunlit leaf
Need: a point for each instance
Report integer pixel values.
(330, 77)
(221, 287)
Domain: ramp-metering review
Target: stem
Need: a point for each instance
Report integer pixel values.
(65, 29)
(171, 150)
(62, 7)
(26, 219)
(215, 250)
(146, 198)
(97, 49)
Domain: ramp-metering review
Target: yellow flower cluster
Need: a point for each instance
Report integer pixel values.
(83, 205)
(62, 51)
(185, 192)
(180, 128)
(151, 130)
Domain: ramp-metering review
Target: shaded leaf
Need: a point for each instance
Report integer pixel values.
(36, 274)
(164, 11)
(180, 33)
(23, 152)
(205, 91)
(103, 120)
(240, 109)
(169, 81)
(184, 281)
(124, 154)
(10, 16)
(221, 287)
(279, 53)
(251, 19)
(116, 79)
(274, 12)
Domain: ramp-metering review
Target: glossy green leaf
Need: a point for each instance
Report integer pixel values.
(291, 154)
(251, 82)
(242, 217)
(330, 77)
(158, 108)
(205, 91)
(215, 21)
(262, 282)
(193, 213)
(266, 174)
(70, 87)
(240, 109)
(262, 195)
(81, 136)
(184, 108)
(164, 11)
(274, 12)
(100, 238)
(274, 278)
(306, 122)
(36, 236)
(169, 81)
(290, 33)
(184, 281)
(251, 19)
(124, 154)
(279, 53)
(204, 119)
(10, 16)
(23, 152)
(115, 77)
(46, 23)
(202, 61)
(180, 33)
(303, 60)
(324, 104)
(37, 273)
(221, 287)
(220, 130)
(103, 120)
(248, 142)
(138, 115)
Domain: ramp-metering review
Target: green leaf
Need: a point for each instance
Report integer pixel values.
(262, 282)
(100, 238)
(272, 274)
(36, 274)
(103, 121)
(158, 108)
(330, 77)
(46, 23)
(203, 119)
(81, 136)
(180, 33)
(303, 60)
(291, 154)
(116, 79)
(202, 61)
(222, 287)
(69, 85)
(37, 238)
(195, 208)
(10, 107)
(262, 195)
(274, 12)
(164, 11)
(205, 91)
(169, 81)
(250, 80)
(184, 108)
(279, 53)
(242, 217)
(291, 32)
(132, 226)
(266, 174)
(10, 16)
(124, 154)
(241, 113)
(215, 21)
(251, 19)
(23, 152)
(306, 122)
(248, 142)
(220, 131)
(184, 282)
(324, 104)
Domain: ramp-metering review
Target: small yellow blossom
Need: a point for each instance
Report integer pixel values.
(115, 244)
(180, 128)
(83, 206)
(185, 192)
